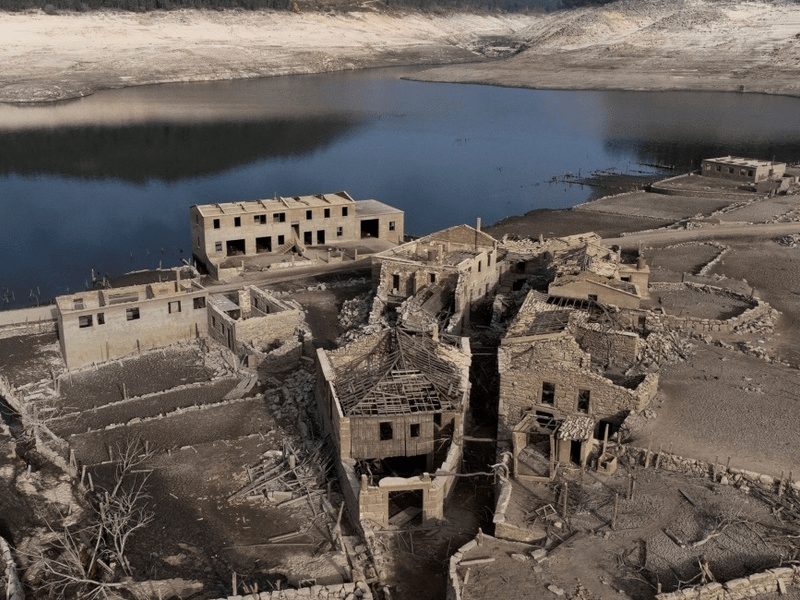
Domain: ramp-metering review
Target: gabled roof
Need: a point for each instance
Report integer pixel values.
(404, 375)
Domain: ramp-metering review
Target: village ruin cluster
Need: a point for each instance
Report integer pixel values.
(322, 408)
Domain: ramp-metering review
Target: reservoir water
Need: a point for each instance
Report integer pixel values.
(105, 182)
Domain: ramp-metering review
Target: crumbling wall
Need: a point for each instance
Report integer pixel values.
(373, 500)
(341, 591)
(758, 584)
(608, 347)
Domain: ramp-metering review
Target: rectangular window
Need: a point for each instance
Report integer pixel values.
(174, 306)
(414, 431)
(132, 314)
(391, 225)
(719, 168)
(85, 321)
(480, 265)
(199, 302)
(217, 246)
(548, 393)
(432, 277)
(395, 282)
(216, 223)
(101, 318)
(339, 232)
(77, 304)
(437, 419)
(750, 173)
(279, 218)
(260, 219)
(344, 211)
(730, 170)
(489, 260)
(583, 401)
(309, 215)
(327, 213)
(213, 321)
(281, 240)
(237, 221)
(385, 431)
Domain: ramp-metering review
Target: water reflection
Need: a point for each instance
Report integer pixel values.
(105, 182)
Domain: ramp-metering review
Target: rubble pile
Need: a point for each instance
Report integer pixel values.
(792, 240)
(287, 400)
(287, 475)
(355, 311)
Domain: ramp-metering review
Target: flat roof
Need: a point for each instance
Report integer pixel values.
(274, 204)
(742, 162)
(370, 208)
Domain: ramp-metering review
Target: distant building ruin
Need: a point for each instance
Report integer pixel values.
(230, 230)
(436, 279)
(388, 400)
(742, 169)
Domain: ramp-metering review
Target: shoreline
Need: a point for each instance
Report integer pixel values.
(617, 46)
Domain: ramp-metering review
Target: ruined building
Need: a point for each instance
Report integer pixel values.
(228, 230)
(394, 403)
(563, 386)
(100, 325)
(263, 331)
(742, 169)
(435, 280)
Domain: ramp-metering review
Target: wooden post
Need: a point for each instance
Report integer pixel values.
(647, 456)
(614, 516)
(234, 583)
(714, 470)
(565, 494)
(780, 485)
(630, 486)
(658, 458)
(605, 439)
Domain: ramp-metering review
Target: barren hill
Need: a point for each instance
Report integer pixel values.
(627, 44)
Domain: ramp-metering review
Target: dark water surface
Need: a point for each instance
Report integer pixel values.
(105, 182)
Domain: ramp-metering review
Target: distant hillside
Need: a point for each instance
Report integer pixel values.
(54, 6)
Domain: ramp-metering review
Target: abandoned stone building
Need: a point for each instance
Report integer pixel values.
(394, 403)
(436, 279)
(264, 332)
(279, 225)
(742, 169)
(100, 325)
(562, 382)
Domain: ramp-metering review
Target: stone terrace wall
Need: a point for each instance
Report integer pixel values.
(758, 310)
(343, 591)
(766, 582)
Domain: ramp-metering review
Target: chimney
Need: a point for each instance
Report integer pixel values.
(478, 224)
(244, 302)
(435, 332)
(177, 279)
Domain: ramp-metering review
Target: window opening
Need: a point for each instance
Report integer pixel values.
(414, 430)
(131, 314)
(216, 223)
(199, 302)
(85, 321)
(174, 306)
(583, 401)
(385, 431)
(548, 393)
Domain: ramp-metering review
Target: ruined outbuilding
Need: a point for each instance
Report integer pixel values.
(436, 279)
(263, 331)
(742, 169)
(563, 383)
(394, 403)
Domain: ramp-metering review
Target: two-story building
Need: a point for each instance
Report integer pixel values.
(272, 226)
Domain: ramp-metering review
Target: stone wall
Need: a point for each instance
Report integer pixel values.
(771, 581)
(758, 309)
(344, 591)
(608, 347)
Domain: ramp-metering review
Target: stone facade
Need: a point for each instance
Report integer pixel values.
(99, 325)
(550, 384)
(278, 225)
